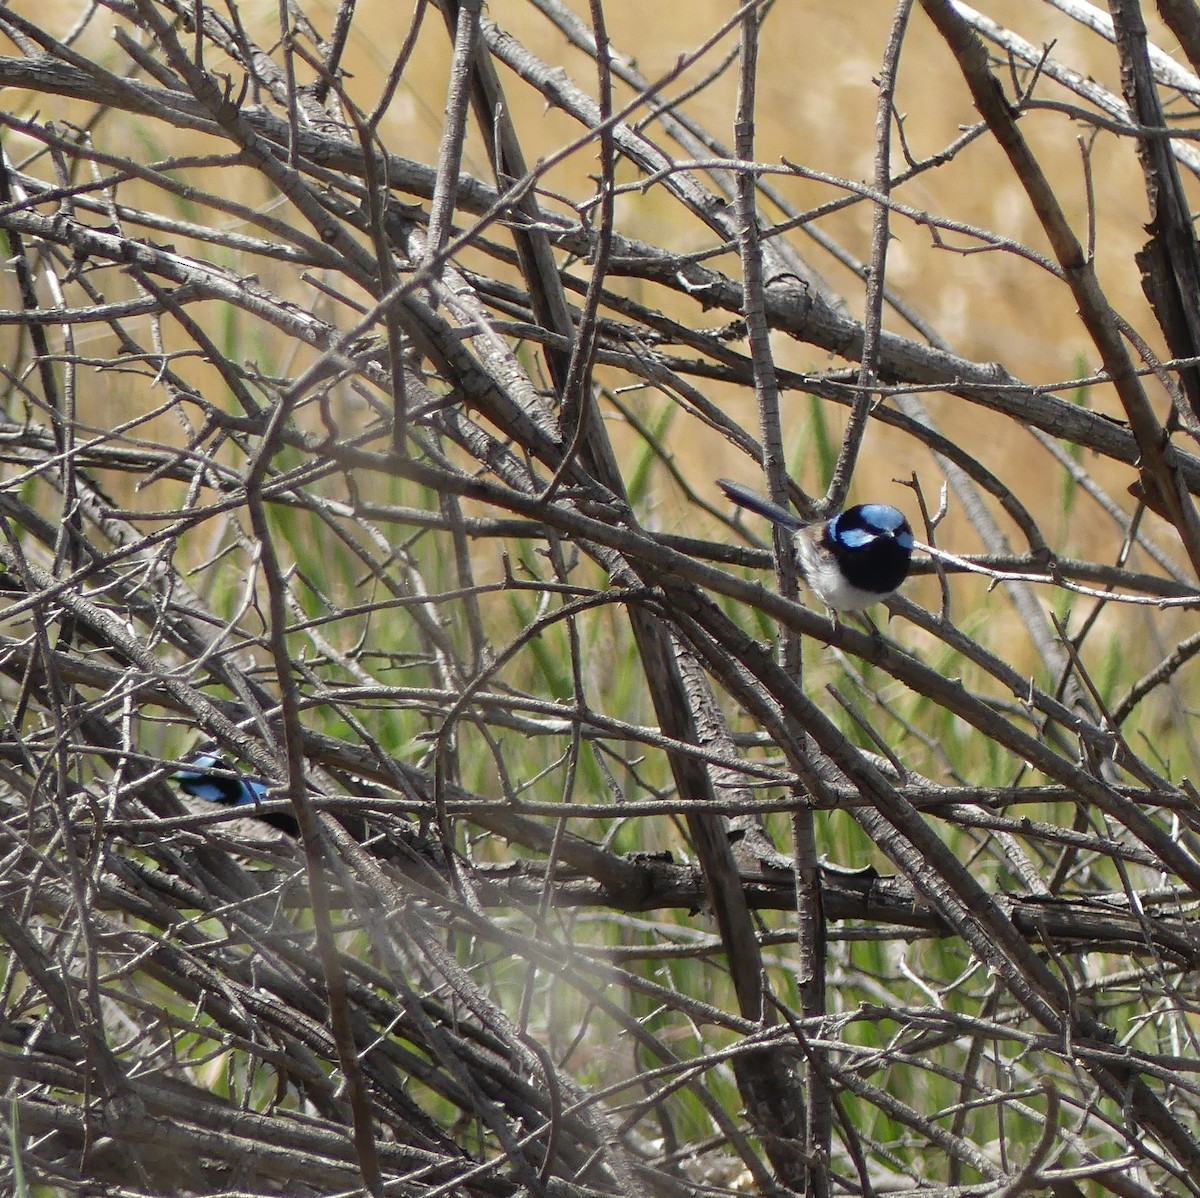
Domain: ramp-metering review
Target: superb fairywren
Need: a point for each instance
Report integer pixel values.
(208, 776)
(859, 557)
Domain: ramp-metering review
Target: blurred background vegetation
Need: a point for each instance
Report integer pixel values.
(618, 873)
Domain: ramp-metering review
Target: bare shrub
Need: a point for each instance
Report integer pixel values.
(378, 451)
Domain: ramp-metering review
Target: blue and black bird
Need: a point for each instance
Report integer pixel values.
(853, 560)
(209, 776)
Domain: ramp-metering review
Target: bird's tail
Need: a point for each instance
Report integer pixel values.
(746, 498)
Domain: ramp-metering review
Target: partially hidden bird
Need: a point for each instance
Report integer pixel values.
(857, 558)
(209, 776)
